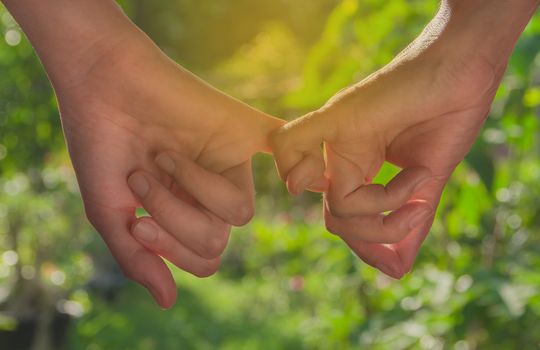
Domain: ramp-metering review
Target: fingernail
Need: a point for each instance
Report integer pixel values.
(145, 231)
(166, 163)
(419, 218)
(138, 184)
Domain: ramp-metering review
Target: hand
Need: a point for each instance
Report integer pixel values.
(126, 106)
(422, 113)
(132, 104)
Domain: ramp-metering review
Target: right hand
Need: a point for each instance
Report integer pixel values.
(422, 113)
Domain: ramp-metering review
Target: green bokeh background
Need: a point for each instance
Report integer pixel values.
(285, 283)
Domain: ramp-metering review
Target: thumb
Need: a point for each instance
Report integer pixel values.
(298, 154)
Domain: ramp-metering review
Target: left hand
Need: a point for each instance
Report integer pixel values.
(132, 115)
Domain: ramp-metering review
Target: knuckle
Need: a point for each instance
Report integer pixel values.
(208, 268)
(331, 226)
(329, 222)
(215, 244)
(242, 213)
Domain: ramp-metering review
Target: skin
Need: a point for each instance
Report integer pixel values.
(422, 112)
(125, 106)
(123, 102)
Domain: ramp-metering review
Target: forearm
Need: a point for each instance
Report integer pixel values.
(489, 27)
(70, 35)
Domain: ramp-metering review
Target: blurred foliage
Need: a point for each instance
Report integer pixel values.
(284, 282)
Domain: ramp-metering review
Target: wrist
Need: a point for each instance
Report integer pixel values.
(70, 36)
(486, 3)
(489, 27)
